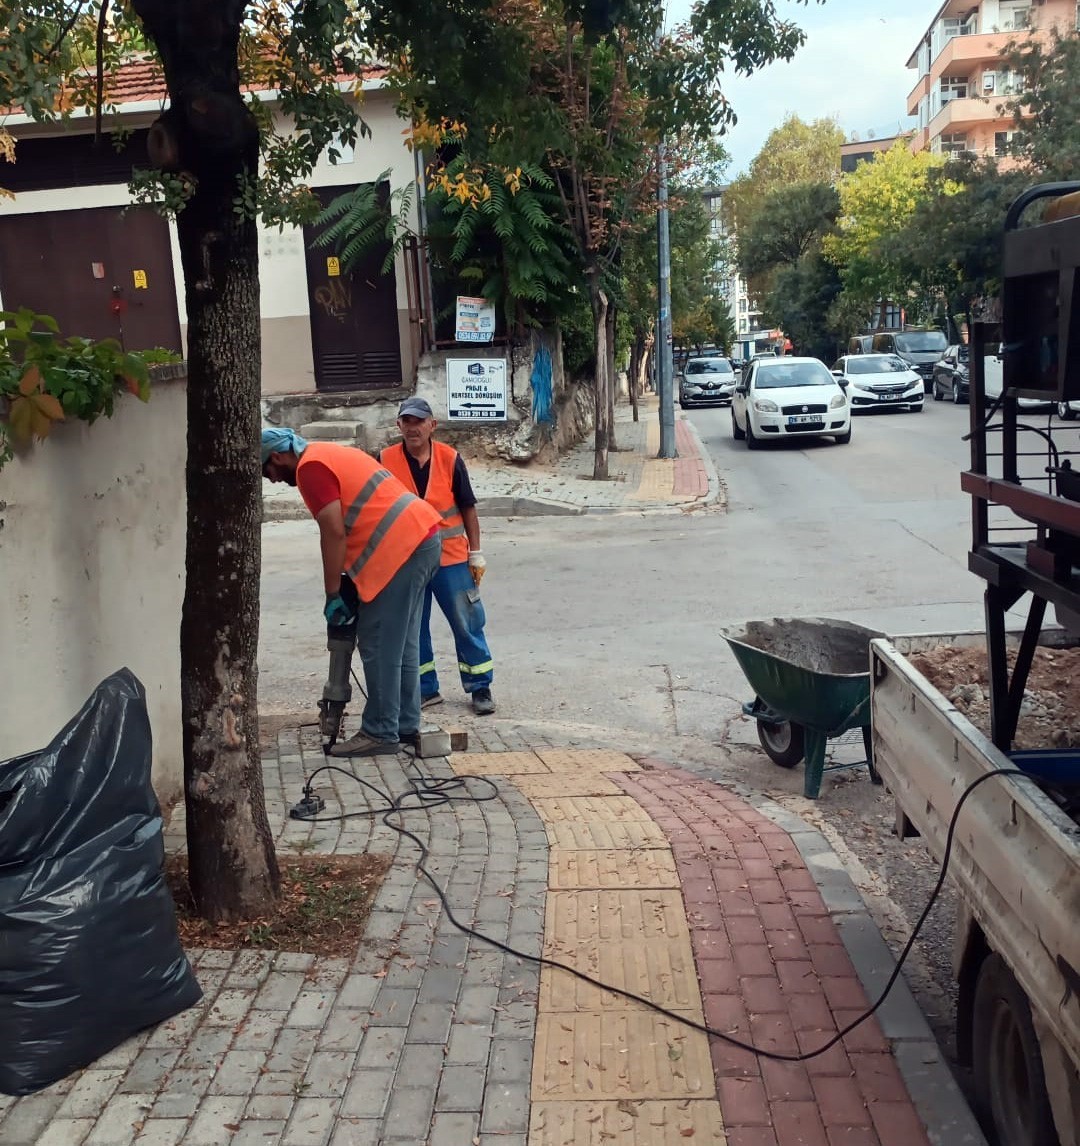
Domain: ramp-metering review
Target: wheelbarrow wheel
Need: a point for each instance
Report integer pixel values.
(783, 741)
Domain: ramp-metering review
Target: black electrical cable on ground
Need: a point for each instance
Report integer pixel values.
(434, 793)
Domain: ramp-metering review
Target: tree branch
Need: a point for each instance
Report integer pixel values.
(65, 28)
(99, 94)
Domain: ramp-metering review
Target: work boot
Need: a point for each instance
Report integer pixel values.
(430, 701)
(363, 745)
(482, 703)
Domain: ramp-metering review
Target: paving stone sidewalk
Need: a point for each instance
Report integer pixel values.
(639, 481)
(635, 872)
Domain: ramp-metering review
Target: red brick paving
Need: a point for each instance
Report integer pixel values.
(774, 973)
(690, 475)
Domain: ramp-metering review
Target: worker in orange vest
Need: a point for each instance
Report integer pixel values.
(380, 546)
(437, 473)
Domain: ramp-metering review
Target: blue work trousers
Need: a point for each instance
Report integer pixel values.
(388, 638)
(452, 586)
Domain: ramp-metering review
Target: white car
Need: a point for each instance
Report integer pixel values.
(789, 398)
(874, 381)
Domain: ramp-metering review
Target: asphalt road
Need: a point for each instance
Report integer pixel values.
(606, 630)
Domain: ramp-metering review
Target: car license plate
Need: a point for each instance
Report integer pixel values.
(891, 397)
(800, 419)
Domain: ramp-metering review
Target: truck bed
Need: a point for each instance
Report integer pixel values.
(1016, 854)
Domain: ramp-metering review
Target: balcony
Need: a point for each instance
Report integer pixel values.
(918, 92)
(959, 114)
(962, 53)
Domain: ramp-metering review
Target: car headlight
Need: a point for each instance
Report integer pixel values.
(838, 400)
(765, 406)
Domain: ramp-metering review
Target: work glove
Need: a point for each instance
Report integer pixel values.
(336, 611)
(477, 566)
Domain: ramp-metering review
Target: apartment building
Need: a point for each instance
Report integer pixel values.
(963, 80)
(744, 313)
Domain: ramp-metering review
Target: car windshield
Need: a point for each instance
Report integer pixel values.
(709, 366)
(962, 353)
(774, 375)
(921, 341)
(885, 364)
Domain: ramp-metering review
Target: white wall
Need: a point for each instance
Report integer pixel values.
(92, 547)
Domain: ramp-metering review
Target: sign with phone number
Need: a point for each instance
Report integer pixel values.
(476, 389)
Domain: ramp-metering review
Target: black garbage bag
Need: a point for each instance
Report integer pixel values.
(89, 952)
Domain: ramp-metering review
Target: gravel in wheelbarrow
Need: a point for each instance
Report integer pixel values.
(811, 678)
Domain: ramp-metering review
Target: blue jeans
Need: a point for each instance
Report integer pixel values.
(388, 637)
(452, 586)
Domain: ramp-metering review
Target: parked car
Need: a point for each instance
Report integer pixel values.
(786, 398)
(950, 378)
(877, 381)
(1068, 410)
(920, 349)
(860, 344)
(706, 382)
(993, 380)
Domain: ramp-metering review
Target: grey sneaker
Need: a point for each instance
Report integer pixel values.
(482, 703)
(363, 745)
(431, 701)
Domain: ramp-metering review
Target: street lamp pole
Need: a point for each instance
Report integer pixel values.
(664, 364)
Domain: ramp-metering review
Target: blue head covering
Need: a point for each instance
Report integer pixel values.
(279, 441)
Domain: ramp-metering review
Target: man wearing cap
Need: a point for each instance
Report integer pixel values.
(380, 546)
(437, 473)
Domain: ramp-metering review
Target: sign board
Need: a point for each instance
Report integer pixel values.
(475, 320)
(140, 279)
(476, 389)
(333, 267)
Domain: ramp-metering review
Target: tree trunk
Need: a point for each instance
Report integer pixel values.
(209, 133)
(602, 433)
(612, 312)
(633, 375)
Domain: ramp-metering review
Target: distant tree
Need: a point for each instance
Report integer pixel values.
(877, 199)
(795, 152)
(799, 302)
(789, 225)
(1046, 108)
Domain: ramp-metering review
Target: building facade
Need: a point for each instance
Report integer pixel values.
(732, 286)
(71, 246)
(963, 81)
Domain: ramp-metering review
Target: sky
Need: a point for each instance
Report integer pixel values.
(852, 67)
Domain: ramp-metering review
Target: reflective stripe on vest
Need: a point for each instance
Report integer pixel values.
(384, 523)
(439, 493)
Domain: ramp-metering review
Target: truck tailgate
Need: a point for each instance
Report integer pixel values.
(1016, 854)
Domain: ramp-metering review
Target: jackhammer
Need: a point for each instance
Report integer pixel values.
(337, 692)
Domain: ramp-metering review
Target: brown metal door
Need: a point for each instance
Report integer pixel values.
(101, 273)
(354, 317)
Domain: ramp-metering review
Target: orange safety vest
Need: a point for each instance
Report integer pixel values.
(439, 494)
(384, 522)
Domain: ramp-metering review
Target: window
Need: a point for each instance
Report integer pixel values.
(1016, 18)
(954, 26)
(989, 83)
(744, 325)
(954, 144)
(1002, 140)
(744, 306)
(953, 87)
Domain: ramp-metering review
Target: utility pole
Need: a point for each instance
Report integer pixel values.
(664, 364)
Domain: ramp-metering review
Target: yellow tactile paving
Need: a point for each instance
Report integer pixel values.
(648, 867)
(619, 1054)
(659, 970)
(592, 809)
(607, 1070)
(636, 834)
(657, 480)
(498, 764)
(587, 759)
(603, 915)
(628, 1122)
(565, 784)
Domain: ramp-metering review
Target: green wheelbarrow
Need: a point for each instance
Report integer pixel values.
(811, 677)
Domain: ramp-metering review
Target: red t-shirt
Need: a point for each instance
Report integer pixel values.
(318, 486)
